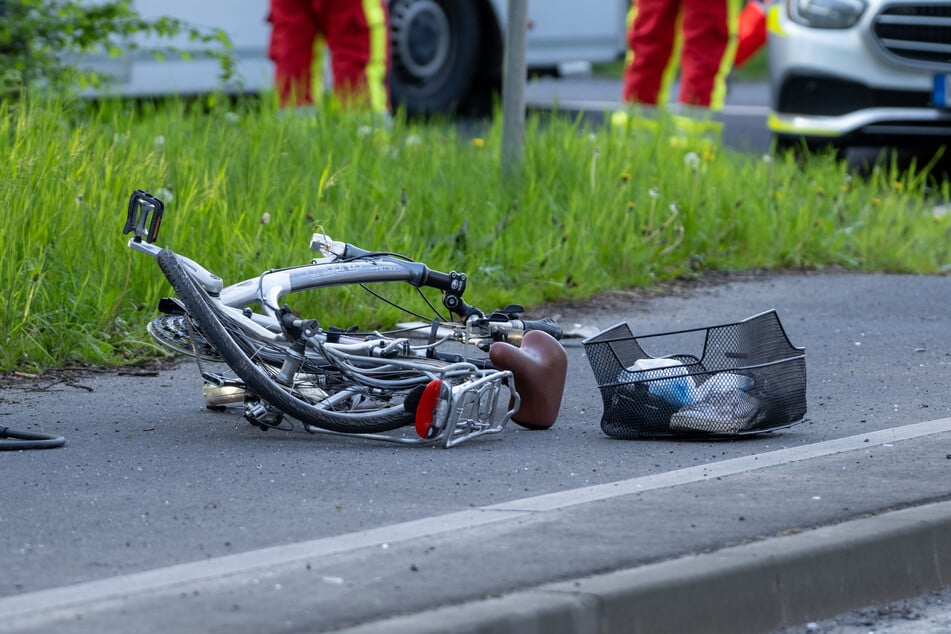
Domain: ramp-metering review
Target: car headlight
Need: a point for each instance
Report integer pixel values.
(826, 14)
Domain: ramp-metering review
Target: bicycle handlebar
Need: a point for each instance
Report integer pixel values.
(512, 331)
(546, 325)
(452, 284)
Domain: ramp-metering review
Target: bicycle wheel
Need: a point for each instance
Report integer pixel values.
(257, 380)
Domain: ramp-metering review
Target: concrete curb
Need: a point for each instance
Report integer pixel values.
(758, 587)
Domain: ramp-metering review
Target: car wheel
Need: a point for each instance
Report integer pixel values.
(435, 48)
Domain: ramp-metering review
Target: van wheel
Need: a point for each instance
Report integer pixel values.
(435, 48)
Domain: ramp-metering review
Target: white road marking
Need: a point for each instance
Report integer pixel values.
(44, 606)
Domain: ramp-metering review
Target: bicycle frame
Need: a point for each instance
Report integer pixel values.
(476, 406)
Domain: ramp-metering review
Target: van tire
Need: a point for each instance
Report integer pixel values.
(435, 54)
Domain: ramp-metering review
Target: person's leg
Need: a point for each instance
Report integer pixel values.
(650, 37)
(709, 45)
(294, 27)
(358, 38)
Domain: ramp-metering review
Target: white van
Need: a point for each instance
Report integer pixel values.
(447, 54)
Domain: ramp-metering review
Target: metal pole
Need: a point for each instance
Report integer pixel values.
(513, 86)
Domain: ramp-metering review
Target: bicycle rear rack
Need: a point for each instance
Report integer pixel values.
(480, 406)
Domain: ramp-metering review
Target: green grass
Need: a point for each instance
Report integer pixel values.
(245, 187)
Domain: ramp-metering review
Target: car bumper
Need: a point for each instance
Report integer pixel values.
(869, 126)
(845, 85)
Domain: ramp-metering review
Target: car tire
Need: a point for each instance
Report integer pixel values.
(435, 52)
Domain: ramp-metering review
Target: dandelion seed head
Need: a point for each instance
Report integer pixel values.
(160, 140)
(653, 192)
(413, 140)
(692, 160)
(232, 117)
(265, 218)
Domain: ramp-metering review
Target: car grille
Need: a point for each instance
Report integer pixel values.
(918, 32)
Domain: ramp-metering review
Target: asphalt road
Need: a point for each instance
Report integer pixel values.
(149, 478)
(160, 515)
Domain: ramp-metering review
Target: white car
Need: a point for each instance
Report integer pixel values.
(860, 72)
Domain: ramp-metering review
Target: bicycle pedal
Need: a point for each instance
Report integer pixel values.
(262, 416)
(144, 217)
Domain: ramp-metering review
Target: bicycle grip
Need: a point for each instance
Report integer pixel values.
(545, 324)
(442, 281)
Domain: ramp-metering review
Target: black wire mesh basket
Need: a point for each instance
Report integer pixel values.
(727, 380)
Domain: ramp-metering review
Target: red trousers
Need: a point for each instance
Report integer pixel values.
(651, 38)
(357, 34)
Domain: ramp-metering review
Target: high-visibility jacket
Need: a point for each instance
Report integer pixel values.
(357, 34)
(700, 34)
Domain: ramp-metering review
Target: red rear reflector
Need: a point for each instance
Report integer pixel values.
(427, 407)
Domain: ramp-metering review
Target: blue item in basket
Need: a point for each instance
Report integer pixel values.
(679, 390)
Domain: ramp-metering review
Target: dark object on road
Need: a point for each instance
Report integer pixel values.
(741, 378)
(13, 440)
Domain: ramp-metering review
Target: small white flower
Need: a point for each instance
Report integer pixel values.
(364, 131)
(232, 117)
(692, 160)
(265, 218)
(412, 140)
(160, 140)
(767, 158)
